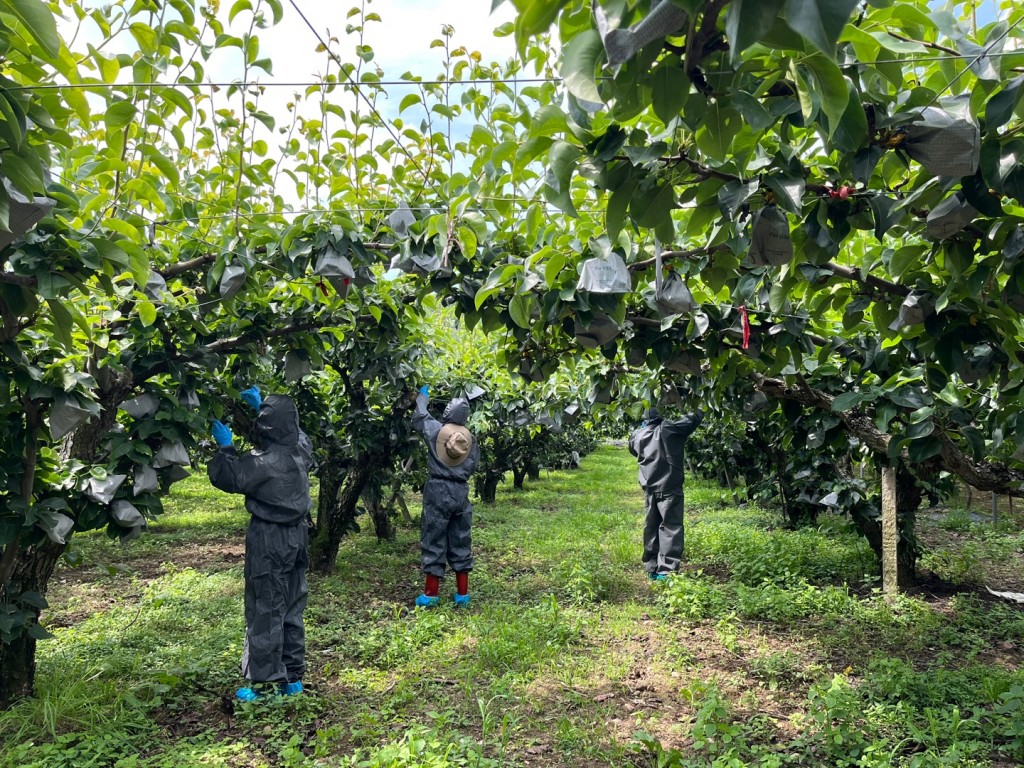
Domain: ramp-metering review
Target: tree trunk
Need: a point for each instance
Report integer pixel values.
(32, 573)
(518, 476)
(383, 523)
(337, 515)
(335, 520)
(34, 565)
(533, 470)
(487, 486)
(908, 499)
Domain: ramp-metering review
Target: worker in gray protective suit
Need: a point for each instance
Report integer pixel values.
(453, 454)
(274, 479)
(658, 447)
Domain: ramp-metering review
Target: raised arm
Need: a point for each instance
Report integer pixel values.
(233, 473)
(421, 418)
(685, 426)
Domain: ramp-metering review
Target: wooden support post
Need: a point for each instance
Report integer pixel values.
(995, 510)
(732, 488)
(890, 533)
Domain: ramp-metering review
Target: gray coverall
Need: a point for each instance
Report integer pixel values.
(658, 447)
(447, 512)
(275, 482)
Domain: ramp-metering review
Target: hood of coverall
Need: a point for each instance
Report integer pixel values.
(652, 414)
(277, 422)
(456, 412)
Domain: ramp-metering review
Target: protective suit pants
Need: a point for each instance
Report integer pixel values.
(445, 527)
(663, 532)
(276, 559)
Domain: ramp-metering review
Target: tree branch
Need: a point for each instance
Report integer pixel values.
(695, 44)
(187, 266)
(13, 279)
(983, 475)
(679, 255)
(871, 281)
(229, 344)
(925, 43)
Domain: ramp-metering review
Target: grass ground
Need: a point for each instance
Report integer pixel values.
(772, 647)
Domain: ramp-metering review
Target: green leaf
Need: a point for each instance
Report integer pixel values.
(147, 313)
(549, 120)
(848, 400)
(805, 92)
(579, 65)
(38, 632)
(833, 93)
(977, 194)
(733, 194)
(902, 260)
(920, 429)
(651, 207)
(12, 121)
(552, 268)
(534, 18)
(999, 108)
(618, 205)
(62, 322)
(118, 115)
(717, 130)
(112, 251)
(670, 89)
(238, 7)
(24, 172)
(819, 21)
(747, 21)
(753, 111)
(277, 9)
(852, 131)
(561, 163)
(520, 309)
(38, 21)
(407, 101)
(145, 36)
(922, 450)
(789, 192)
(167, 166)
(886, 213)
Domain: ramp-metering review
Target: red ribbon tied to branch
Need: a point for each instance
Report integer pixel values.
(746, 326)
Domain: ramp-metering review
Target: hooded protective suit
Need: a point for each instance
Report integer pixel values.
(275, 482)
(658, 447)
(447, 512)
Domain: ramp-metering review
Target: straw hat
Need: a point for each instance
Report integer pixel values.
(453, 444)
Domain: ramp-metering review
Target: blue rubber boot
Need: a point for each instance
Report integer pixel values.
(291, 689)
(461, 601)
(426, 602)
(660, 576)
(249, 694)
(652, 575)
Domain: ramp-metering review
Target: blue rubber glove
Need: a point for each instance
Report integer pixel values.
(221, 434)
(424, 390)
(252, 398)
(643, 424)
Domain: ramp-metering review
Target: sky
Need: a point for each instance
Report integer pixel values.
(401, 41)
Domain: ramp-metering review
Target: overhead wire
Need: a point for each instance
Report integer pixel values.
(514, 81)
(978, 58)
(278, 84)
